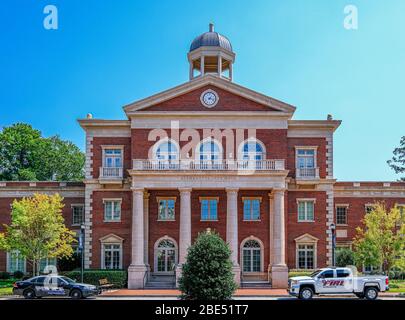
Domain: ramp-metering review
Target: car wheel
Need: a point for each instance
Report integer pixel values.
(76, 294)
(306, 293)
(29, 294)
(371, 293)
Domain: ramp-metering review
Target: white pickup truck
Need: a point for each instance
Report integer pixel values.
(335, 281)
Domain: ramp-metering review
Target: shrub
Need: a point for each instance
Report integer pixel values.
(207, 273)
(18, 274)
(116, 277)
(299, 273)
(70, 263)
(344, 257)
(5, 275)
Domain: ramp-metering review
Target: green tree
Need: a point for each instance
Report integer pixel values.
(37, 230)
(381, 242)
(26, 155)
(344, 257)
(207, 273)
(397, 162)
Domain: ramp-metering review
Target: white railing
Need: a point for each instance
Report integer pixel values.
(219, 165)
(111, 173)
(307, 173)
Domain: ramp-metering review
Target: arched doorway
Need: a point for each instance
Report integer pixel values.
(165, 256)
(251, 256)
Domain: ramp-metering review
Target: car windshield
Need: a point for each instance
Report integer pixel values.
(68, 280)
(313, 274)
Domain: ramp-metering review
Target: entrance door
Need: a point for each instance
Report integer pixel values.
(165, 257)
(251, 257)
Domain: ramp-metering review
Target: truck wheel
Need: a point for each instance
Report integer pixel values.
(371, 293)
(306, 293)
(29, 294)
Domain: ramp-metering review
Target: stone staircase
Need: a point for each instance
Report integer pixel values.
(159, 281)
(259, 284)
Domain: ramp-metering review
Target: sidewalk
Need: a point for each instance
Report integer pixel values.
(175, 293)
(239, 293)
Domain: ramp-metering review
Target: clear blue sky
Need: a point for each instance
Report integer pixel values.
(106, 54)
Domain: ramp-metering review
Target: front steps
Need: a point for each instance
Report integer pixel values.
(259, 284)
(159, 281)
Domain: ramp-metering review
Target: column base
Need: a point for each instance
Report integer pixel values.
(136, 276)
(279, 276)
(236, 273)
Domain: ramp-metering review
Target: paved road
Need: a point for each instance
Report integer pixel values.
(173, 298)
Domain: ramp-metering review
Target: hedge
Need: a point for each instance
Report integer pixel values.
(116, 277)
(298, 273)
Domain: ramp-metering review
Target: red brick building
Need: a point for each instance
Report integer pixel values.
(209, 154)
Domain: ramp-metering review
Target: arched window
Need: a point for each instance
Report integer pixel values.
(251, 256)
(167, 150)
(252, 153)
(209, 155)
(165, 255)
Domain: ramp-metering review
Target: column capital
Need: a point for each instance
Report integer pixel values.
(278, 191)
(146, 195)
(231, 190)
(138, 190)
(185, 190)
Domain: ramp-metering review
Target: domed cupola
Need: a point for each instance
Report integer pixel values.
(211, 53)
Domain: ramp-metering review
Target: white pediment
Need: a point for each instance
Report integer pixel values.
(111, 238)
(209, 79)
(306, 238)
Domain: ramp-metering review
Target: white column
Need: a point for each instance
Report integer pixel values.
(146, 227)
(279, 267)
(271, 228)
(232, 228)
(185, 224)
(219, 66)
(137, 269)
(202, 65)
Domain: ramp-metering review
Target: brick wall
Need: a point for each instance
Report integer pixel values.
(316, 229)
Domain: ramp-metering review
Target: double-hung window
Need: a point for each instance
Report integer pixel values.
(166, 208)
(306, 210)
(112, 256)
(113, 157)
(77, 214)
(15, 261)
(209, 208)
(306, 256)
(341, 214)
(251, 209)
(112, 210)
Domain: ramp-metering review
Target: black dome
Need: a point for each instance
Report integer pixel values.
(211, 39)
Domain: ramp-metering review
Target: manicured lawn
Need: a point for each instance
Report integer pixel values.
(6, 291)
(397, 286)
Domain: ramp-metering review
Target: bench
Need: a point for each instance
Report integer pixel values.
(104, 284)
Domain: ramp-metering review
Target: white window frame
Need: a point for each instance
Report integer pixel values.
(155, 254)
(306, 250)
(8, 263)
(346, 206)
(306, 239)
(114, 200)
(47, 263)
(103, 249)
(261, 254)
(75, 205)
(241, 153)
(251, 208)
(313, 200)
(297, 148)
(110, 147)
(209, 208)
(166, 208)
(208, 140)
(157, 145)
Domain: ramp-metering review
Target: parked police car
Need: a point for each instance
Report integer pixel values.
(329, 281)
(53, 285)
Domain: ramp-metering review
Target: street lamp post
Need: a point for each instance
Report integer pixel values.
(333, 230)
(81, 247)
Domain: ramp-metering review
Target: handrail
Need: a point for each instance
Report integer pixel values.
(209, 165)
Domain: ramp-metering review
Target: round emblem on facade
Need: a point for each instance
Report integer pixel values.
(209, 98)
